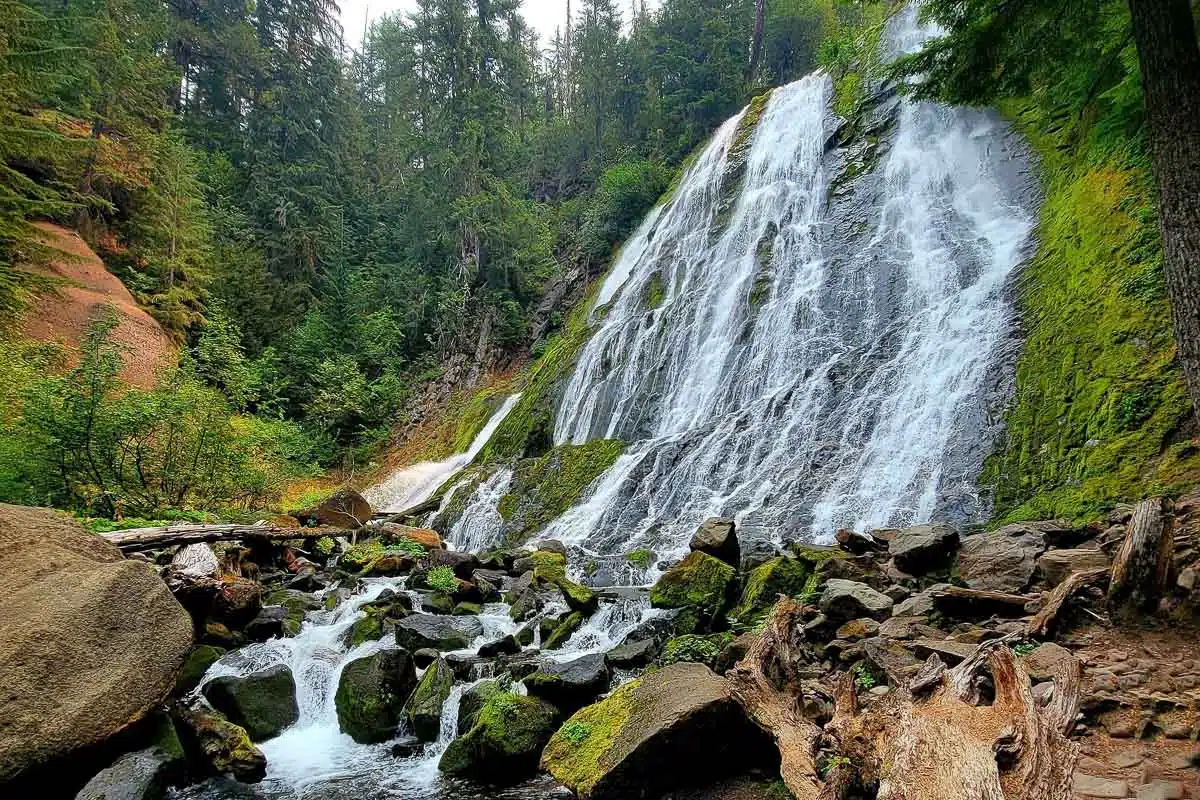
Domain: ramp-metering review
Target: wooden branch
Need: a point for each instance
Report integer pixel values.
(1044, 621)
(959, 601)
(138, 539)
(1141, 569)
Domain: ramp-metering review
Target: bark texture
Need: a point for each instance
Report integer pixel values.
(1141, 569)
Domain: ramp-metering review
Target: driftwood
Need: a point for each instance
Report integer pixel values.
(138, 539)
(959, 601)
(1044, 621)
(1141, 570)
(973, 732)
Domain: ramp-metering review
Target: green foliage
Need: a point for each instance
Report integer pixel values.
(691, 647)
(863, 678)
(640, 558)
(576, 732)
(833, 762)
(406, 547)
(442, 579)
(1024, 649)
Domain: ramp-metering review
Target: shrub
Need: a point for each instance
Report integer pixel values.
(442, 579)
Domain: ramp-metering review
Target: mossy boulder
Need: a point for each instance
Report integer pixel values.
(694, 648)
(424, 708)
(438, 632)
(570, 685)
(550, 569)
(198, 661)
(473, 700)
(505, 742)
(674, 726)
(343, 508)
(562, 631)
(779, 576)
(368, 628)
(263, 702)
(699, 586)
(219, 746)
(371, 693)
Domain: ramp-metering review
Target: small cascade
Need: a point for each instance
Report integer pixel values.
(479, 526)
(415, 484)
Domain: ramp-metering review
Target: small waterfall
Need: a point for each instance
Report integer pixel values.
(415, 484)
(826, 347)
(479, 526)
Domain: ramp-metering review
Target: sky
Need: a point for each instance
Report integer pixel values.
(543, 15)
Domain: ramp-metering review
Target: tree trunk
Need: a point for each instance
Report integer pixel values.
(1141, 570)
(1165, 34)
(137, 539)
(760, 10)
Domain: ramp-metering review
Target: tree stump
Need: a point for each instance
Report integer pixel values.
(1141, 570)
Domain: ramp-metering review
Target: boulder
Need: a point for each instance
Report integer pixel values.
(734, 652)
(861, 628)
(552, 546)
(699, 586)
(263, 702)
(853, 542)
(1046, 660)
(891, 659)
(197, 559)
(237, 602)
(198, 661)
(473, 700)
(503, 745)
(1002, 560)
(847, 600)
(371, 693)
(425, 656)
(427, 538)
(653, 734)
(779, 576)
(1057, 565)
(463, 564)
(919, 605)
(629, 655)
(718, 538)
(424, 708)
(141, 775)
(345, 508)
(89, 642)
(562, 630)
(505, 646)
(438, 632)
(271, 623)
(923, 548)
(570, 685)
(220, 746)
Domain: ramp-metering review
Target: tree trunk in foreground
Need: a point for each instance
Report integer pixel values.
(1165, 34)
(937, 739)
(1141, 570)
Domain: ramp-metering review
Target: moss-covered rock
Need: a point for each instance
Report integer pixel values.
(543, 488)
(424, 707)
(505, 742)
(699, 586)
(473, 700)
(371, 693)
(222, 747)
(562, 631)
(694, 648)
(368, 628)
(198, 661)
(263, 702)
(672, 726)
(779, 576)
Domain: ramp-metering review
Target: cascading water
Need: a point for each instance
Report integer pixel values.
(822, 354)
(415, 484)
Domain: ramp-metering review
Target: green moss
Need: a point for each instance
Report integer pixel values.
(367, 629)
(325, 546)
(543, 488)
(699, 584)
(779, 576)
(562, 632)
(467, 609)
(692, 647)
(640, 558)
(747, 125)
(198, 661)
(503, 744)
(548, 566)
(1099, 399)
(654, 293)
(424, 708)
(577, 753)
(849, 92)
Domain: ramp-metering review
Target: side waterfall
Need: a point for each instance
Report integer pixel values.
(828, 346)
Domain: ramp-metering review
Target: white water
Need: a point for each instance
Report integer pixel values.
(852, 393)
(415, 484)
(479, 526)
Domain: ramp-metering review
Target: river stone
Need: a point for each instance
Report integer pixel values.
(424, 707)
(472, 701)
(269, 624)
(263, 702)
(779, 576)
(923, 548)
(698, 586)
(1057, 565)
(89, 642)
(503, 745)
(371, 693)
(198, 661)
(1002, 560)
(628, 655)
(141, 775)
(438, 632)
(845, 600)
(505, 646)
(345, 508)
(718, 538)
(570, 685)
(224, 748)
(1045, 661)
(653, 734)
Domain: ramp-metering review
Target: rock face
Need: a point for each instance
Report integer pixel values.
(263, 702)
(1002, 560)
(424, 707)
(923, 548)
(718, 538)
(570, 685)
(89, 641)
(653, 734)
(699, 587)
(847, 600)
(502, 746)
(438, 632)
(371, 693)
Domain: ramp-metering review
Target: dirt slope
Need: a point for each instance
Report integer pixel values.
(63, 315)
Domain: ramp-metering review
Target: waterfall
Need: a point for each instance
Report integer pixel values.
(415, 484)
(828, 346)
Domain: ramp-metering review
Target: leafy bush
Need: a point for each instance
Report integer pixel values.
(407, 547)
(442, 579)
(576, 732)
(625, 193)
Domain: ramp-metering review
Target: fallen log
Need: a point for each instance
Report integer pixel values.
(961, 602)
(1044, 621)
(137, 539)
(1141, 570)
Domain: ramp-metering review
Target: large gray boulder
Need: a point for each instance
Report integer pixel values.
(437, 631)
(371, 694)
(570, 685)
(718, 538)
(141, 775)
(89, 642)
(1002, 560)
(845, 600)
(263, 702)
(923, 548)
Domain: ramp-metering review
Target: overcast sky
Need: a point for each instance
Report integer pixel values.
(543, 15)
